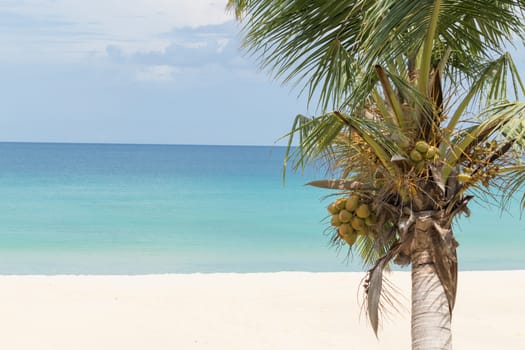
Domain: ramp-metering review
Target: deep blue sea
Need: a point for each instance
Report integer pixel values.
(134, 209)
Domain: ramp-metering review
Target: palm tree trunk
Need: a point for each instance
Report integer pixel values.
(431, 317)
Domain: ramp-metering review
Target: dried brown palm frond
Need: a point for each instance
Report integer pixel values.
(380, 296)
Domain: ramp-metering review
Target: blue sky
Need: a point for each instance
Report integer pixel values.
(140, 71)
(135, 71)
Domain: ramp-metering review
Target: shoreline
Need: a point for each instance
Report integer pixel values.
(168, 274)
(277, 310)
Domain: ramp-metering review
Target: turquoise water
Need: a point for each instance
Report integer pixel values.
(131, 209)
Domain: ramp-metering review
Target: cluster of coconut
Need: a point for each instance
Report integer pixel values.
(352, 217)
(477, 160)
(484, 175)
(423, 152)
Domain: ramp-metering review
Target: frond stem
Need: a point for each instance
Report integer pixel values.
(427, 50)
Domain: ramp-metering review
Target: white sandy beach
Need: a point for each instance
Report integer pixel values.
(289, 310)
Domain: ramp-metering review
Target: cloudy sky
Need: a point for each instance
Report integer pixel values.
(134, 71)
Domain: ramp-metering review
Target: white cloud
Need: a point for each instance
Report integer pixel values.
(143, 40)
(160, 73)
(47, 27)
(222, 44)
(189, 49)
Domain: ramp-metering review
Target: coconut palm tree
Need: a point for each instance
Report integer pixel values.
(419, 112)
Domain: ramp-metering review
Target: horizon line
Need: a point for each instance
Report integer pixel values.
(135, 144)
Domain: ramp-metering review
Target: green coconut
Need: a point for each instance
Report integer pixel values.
(350, 238)
(333, 209)
(352, 202)
(420, 165)
(421, 147)
(401, 140)
(362, 232)
(345, 230)
(357, 223)
(340, 203)
(415, 156)
(345, 216)
(371, 220)
(335, 221)
(363, 211)
(431, 153)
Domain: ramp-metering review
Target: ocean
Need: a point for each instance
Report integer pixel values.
(141, 209)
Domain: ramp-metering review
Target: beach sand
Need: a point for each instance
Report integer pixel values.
(288, 310)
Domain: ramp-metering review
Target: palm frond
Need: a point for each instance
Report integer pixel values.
(315, 139)
(317, 136)
(490, 84)
(383, 148)
(393, 102)
(375, 291)
(513, 182)
(281, 33)
(343, 184)
(495, 120)
(515, 130)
